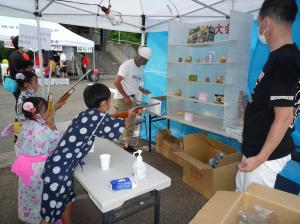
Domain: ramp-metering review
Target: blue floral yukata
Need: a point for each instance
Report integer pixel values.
(76, 142)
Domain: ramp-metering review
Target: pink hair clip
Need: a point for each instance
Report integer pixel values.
(28, 106)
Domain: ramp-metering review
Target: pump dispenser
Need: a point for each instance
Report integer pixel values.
(139, 167)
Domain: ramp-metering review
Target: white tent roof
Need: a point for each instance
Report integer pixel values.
(59, 36)
(157, 12)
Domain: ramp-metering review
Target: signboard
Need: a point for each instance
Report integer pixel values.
(28, 37)
(84, 49)
(56, 47)
(8, 44)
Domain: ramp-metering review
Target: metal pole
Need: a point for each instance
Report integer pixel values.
(94, 58)
(143, 38)
(40, 54)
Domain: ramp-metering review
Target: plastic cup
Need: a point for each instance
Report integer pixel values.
(105, 161)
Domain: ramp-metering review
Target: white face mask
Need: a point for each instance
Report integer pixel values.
(262, 37)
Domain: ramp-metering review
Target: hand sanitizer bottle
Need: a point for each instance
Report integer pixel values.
(139, 167)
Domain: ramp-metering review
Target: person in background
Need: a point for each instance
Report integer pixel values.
(35, 143)
(274, 105)
(63, 65)
(85, 61)
(52, 65)
(128, 83)
(56, 58)
(16, 57)
(58, 193)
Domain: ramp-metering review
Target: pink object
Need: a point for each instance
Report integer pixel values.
(58, 222)
(188, 116)
(8, 131)
(203, 96)
(22, 167)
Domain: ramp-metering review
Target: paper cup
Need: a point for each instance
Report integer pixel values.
(105, 161)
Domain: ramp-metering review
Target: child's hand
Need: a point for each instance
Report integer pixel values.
(131, 113)
(58, 105)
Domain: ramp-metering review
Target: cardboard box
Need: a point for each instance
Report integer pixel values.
(166, 145)
(198, 174)
(161, 108)
(224, 207)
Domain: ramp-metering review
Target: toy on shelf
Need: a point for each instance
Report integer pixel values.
(177, 92)
(219, 99)
(179, 59)
(209, 58)
(188, 116)
(206, 79)
(201, 35)
(188, 59)
(223, 59)
(203, 96)
(220, 79)
(193, 78)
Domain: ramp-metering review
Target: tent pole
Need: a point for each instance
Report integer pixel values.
(143, 38)
(37, 17)
(94, 57)
(34, 58)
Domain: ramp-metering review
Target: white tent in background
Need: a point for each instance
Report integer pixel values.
(60, 35)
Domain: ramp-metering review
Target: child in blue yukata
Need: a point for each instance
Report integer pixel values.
(76, 142)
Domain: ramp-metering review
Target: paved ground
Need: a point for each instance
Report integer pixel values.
(179, 203)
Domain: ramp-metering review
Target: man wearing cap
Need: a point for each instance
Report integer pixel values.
(128, 83)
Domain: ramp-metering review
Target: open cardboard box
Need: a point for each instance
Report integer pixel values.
(224, 207)
(198, 148)
(166, 145)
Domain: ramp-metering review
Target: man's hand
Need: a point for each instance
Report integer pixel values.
(250, 164)
(128, 101)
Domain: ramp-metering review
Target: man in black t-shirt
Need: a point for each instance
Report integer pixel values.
(274, 104)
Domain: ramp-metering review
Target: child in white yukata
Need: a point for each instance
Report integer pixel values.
(76, 142)
(35, 143)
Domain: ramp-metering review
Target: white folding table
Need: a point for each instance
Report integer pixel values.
(97, 182)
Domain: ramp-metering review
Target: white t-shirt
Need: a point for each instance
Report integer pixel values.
(63, 57)
(132, 78)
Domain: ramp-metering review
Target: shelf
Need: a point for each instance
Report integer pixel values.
(212, 63)
(203, 122)
(214, 43)
(198, 82)
(195, 100)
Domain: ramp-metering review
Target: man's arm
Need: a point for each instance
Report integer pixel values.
(283, 118)
(121, 90)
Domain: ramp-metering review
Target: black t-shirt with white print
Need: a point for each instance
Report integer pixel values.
(277, 86)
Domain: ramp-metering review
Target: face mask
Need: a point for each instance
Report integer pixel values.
(262, 37)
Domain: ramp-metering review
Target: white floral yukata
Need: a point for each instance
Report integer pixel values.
(35, 139)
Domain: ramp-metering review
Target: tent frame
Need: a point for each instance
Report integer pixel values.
(143, 28)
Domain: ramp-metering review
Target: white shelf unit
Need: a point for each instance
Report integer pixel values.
(224, 118)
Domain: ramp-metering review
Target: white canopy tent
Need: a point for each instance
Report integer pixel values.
(127, 13)
(60, 35)
(138, 16)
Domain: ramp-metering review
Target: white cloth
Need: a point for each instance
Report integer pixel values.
(132, 78)
(265, 174)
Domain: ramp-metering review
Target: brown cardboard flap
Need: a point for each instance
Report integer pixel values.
(276, 196)
(230, 158)
(217, 208)
(190, 160)
(224, 177)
